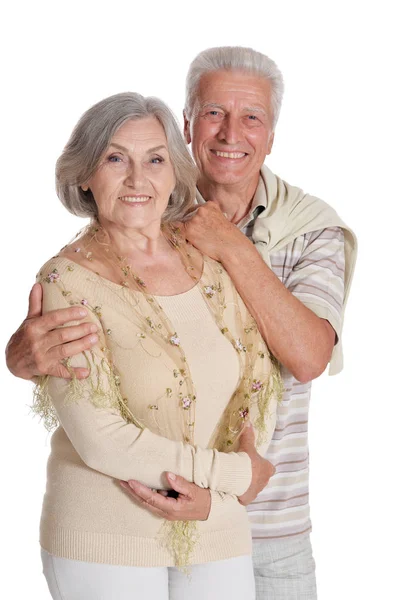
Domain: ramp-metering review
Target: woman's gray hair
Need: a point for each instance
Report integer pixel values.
(234, 58)
(93, 134)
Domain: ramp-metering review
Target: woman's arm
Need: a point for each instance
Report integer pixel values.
(107, 443)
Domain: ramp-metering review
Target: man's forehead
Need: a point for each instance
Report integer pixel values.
(224, 87)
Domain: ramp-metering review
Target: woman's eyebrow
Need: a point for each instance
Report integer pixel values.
(154, 149)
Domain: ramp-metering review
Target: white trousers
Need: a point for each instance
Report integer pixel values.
(76, 580)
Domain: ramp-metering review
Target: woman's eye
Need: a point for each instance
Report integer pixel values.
(114, 159)
(156, 160)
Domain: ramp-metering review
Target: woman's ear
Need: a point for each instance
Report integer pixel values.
(84, 187)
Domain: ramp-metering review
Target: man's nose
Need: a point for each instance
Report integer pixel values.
(230, 130)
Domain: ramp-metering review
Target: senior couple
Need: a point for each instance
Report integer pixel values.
(180, 333)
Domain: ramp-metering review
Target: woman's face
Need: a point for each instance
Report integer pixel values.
(135, 177)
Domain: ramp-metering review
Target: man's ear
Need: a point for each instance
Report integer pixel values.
(187, 135)
(270, 144)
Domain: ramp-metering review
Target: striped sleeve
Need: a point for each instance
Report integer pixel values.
(313, 269)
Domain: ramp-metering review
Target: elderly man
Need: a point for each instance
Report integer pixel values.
(291, 258)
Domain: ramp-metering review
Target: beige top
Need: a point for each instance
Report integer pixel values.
(86, 514)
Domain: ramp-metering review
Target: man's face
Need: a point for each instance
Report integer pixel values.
(231, 126)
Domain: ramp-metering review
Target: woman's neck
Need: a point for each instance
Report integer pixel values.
(129, 243)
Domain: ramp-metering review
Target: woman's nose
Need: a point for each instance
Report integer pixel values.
(134, 176)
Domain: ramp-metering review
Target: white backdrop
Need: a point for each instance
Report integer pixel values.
(337, 138)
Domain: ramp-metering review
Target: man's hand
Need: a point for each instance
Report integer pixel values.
(38, 346)
(262, 469)
(192, 503)
(212, 233)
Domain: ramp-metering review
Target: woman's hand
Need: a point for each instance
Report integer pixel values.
(262, 469)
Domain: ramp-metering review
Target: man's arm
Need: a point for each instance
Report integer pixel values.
(38, 347)
(298, 338)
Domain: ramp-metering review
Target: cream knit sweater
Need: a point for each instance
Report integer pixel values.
(86, 514)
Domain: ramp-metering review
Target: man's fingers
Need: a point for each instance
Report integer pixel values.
(73, 348)
(152, 501)
(81, 373)
(179, 484)
(35, 301)
(142, 502)
(59, 370)
(61, 316)
(72, 333)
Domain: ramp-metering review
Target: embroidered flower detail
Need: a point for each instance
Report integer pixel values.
(84, 302)
(153, 407)
(186, 402)
(139, 280)
(77, 249)
(224, 330)
(97, 310)
(174, 340)
(175, 373)
(70, 268)
(141, 335)
(243, 412)
(109, 332)
(209, 291)
(89, 256)
(256, 385)
(239, 346)
(124, 283)
(249, 329)
(65, 293)
(53, 276)
(174, 241)
(168, 392)
(150, 322)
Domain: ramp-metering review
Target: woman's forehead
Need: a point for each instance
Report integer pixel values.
(140, 132)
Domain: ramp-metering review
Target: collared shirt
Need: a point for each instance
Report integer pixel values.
(312, 267)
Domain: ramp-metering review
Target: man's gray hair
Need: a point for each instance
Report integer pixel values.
(234, 58)
(92, 136)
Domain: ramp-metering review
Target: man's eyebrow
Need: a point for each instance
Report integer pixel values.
(212, 105)
(154, 149)
(254, 109)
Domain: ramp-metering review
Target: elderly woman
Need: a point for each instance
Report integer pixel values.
(179, 371)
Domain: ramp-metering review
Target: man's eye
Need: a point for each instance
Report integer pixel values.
(253, 117)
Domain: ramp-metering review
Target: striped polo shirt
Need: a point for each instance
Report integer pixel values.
(312, 267)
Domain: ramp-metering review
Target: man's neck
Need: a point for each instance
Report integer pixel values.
(234, 200)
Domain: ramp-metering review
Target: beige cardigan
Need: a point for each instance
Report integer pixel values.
(86, 515)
